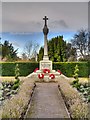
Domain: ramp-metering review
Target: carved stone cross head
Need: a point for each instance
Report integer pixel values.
(45, 18)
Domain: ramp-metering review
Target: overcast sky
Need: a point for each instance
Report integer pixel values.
(22, 21)
(27, 17)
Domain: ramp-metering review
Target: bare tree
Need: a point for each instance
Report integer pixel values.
(24, 56)
(81, 42)
(31, 49)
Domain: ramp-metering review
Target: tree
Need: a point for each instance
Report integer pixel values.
(70, 52)
(81, 42)
(24, 56)
(30, 49)
(41, 53)
(58, 50)
(8, 51)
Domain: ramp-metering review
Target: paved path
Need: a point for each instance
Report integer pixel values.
(47, 102)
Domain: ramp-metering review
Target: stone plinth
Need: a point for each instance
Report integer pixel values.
(45, 64)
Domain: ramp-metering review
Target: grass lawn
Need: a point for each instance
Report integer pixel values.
(81, 80)
(10, 78)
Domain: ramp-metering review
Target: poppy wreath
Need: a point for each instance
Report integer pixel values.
(41, 76)
(46, 70)
(36, 69)
(51, 76)
(59, 72)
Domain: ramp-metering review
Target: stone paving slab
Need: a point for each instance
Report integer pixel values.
(47, 102)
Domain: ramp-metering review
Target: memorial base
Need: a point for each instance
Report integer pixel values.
(45, 64)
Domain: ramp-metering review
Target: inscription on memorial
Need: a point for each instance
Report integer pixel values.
(47, 65)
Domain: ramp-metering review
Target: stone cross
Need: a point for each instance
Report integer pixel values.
(45, 63)
(45, 18)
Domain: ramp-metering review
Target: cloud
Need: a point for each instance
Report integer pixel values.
(61, 24)
(27, 16)
(20, 26)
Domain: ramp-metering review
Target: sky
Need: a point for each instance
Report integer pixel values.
(22, 22)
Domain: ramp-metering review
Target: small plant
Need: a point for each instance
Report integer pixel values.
(17, 71)
(17, 81)
(15, 86)
(76, 81)
(84, 89)
(9, 88)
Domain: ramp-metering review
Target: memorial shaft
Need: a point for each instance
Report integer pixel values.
(45, 63)
(45, 31)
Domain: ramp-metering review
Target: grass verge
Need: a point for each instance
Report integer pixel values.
(17, 105)
(76, 106)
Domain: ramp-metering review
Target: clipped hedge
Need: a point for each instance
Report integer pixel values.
(68, 68)
(88, 67)
(8, 68)
(26, 68)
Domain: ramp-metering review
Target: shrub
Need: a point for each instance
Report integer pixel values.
(16, 81)
(67, 68)
(14, 107)
(76, 72)
(15, 86)
(73, 100)
(26, 68)
(8, 68)
(76, 83)
(17, 71)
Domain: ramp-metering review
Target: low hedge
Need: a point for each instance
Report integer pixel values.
(76, 106)
(26, 68)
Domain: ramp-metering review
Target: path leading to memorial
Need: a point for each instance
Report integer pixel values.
(47, 102)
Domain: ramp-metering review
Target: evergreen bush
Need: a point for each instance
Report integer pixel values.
(17, 71)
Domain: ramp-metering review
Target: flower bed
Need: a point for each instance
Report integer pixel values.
(76, 106)
(8, 89)
(84, 90)
(17, 105)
